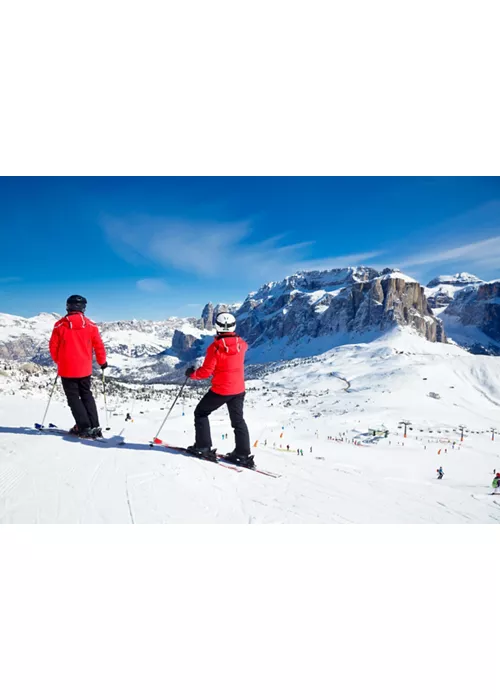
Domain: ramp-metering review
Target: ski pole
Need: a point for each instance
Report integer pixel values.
(155, 440)
(40, 426)
(105, 402)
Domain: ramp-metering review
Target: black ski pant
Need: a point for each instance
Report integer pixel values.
(211, 402)
(81, 402)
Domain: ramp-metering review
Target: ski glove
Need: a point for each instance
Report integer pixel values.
(190, 371)
(104, 366)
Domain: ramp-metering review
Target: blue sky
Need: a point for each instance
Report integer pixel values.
(155, 247)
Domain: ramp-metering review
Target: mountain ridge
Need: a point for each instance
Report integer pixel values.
(300, 315)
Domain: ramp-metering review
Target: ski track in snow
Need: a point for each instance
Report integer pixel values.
(46, 478)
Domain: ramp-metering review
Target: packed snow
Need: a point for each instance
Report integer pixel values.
(318, 423)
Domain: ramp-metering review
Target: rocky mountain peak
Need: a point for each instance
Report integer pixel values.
(441, 290)
(334, 303)
(459, 280)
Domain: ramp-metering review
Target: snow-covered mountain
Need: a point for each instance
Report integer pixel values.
(309, 312)
(303, 315)
(141, 350)
(25, 339)
(441, 290)
(132, 346)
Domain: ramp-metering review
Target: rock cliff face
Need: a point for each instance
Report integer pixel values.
(477, 309)
(207, 316)
(345, 301)
(182, 343)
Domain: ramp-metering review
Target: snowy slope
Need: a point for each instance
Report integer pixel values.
(301, 403)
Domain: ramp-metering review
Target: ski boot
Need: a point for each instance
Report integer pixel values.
(87, 434)
(75, 430)
(203, 452)
(96, 432)
(241, 460)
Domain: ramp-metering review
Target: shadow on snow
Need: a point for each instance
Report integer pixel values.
(111, 441)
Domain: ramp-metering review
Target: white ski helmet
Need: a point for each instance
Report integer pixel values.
(225, 322)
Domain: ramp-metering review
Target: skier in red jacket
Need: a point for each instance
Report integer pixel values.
(224, 363)
(73, 339)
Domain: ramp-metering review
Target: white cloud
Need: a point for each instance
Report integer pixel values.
(211, 249)
(152, 285)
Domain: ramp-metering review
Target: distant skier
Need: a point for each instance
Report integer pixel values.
(128, 417)
(71, 345)
(495, 484)
(224, 362)
(440, 472)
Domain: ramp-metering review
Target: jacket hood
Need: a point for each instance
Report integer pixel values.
(228, 344)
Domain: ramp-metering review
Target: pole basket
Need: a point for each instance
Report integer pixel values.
(157, 441)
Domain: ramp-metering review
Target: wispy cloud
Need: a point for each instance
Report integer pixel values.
(152, 285)
(8, 280)
(482, 251)
(471, 240)
(210, 249)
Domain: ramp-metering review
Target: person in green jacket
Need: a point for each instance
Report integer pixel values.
(495, 484)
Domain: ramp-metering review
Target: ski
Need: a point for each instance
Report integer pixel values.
(221, 459)
(54, 430)
(273, 475)
(185, 451)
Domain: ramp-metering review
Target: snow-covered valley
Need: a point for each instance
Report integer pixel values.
(312, 419)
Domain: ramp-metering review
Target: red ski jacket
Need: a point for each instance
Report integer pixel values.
(224, 363)
(71, 344)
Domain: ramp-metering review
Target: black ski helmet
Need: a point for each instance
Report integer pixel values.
(76, 303)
